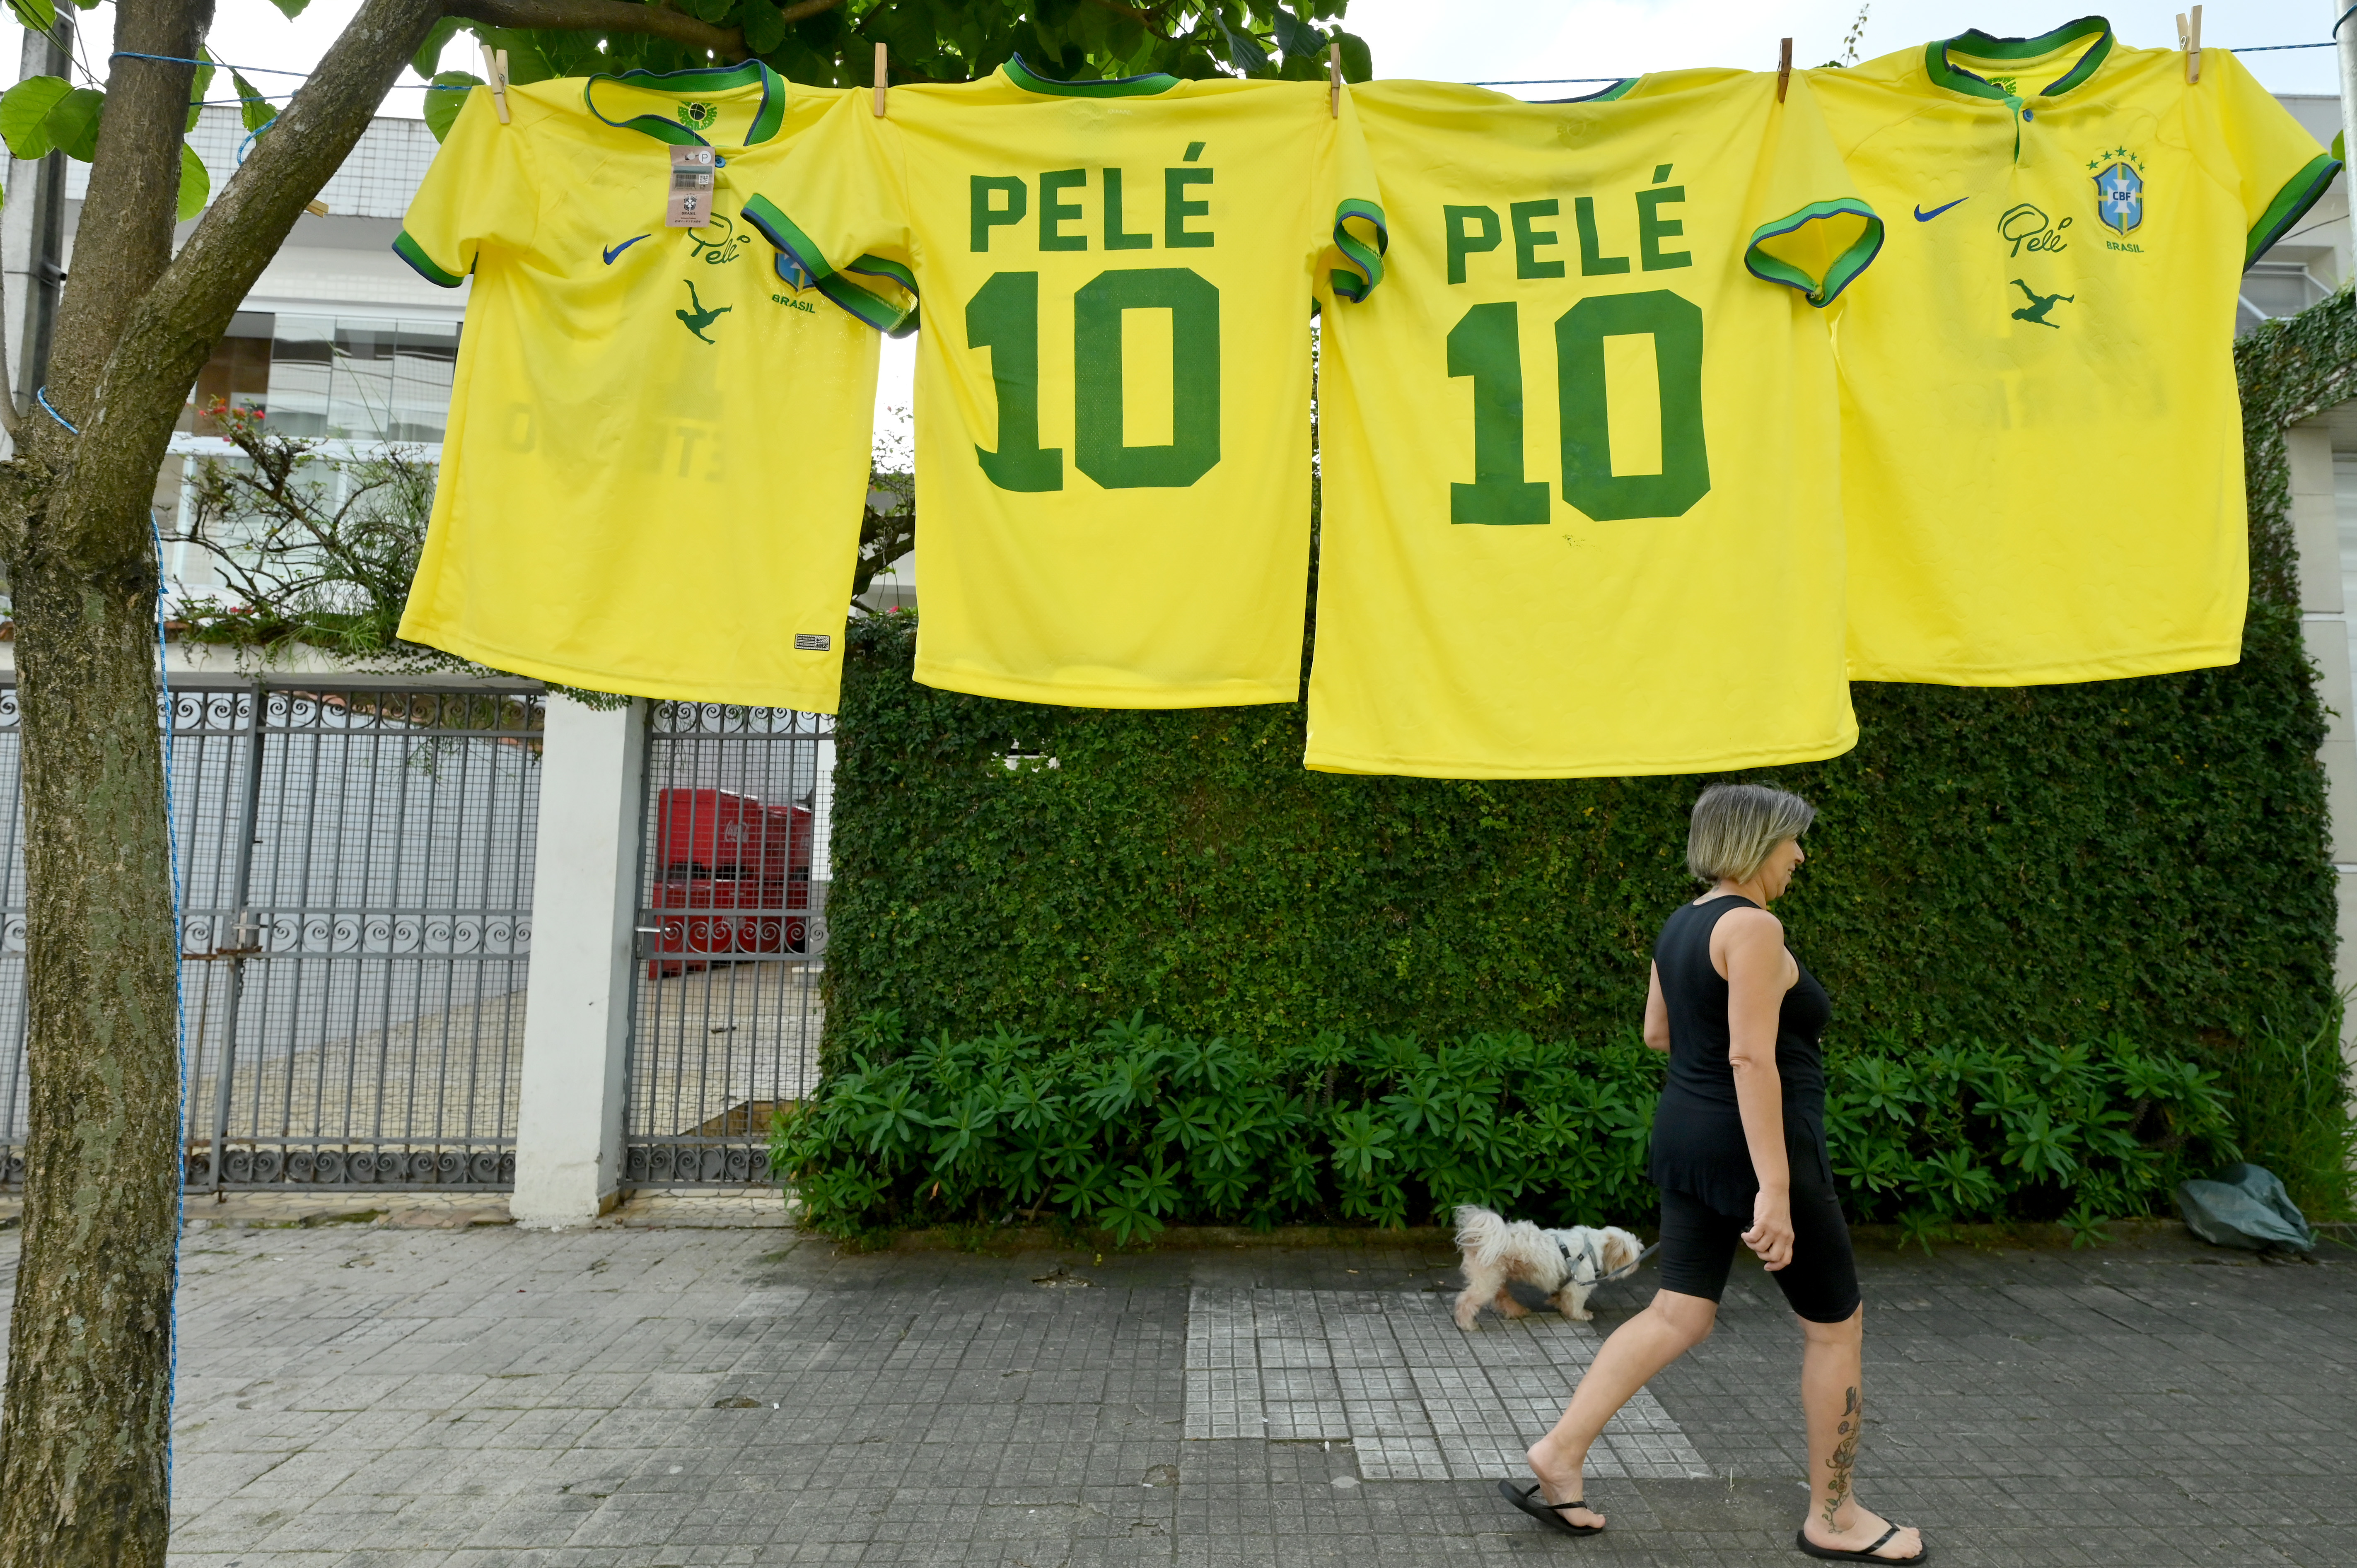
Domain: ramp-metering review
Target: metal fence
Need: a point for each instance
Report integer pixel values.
(732, 936)
(356, 868)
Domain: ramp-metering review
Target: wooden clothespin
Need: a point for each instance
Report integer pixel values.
(1334, 80)
(882, 78)
(2193, 47)
(499, 83)
(1784, 69)
(316, 209)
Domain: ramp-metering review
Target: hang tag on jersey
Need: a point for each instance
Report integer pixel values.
(691, 189)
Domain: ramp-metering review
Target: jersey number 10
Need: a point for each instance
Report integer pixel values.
(1486, 346)
(1003, 317)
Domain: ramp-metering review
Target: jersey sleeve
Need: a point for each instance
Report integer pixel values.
(1810, 229)
(2272, 161)
(1359, 235)
(478, 195)
(837, 210)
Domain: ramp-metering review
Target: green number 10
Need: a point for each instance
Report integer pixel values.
(1486, 346)
(1003, 317)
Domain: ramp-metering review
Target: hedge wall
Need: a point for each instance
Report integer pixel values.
(2051, 861)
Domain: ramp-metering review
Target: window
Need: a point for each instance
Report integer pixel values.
(345, 378)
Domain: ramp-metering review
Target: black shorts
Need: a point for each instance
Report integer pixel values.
(1699, 1244)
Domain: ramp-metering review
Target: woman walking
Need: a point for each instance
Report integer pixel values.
(1740, 1155)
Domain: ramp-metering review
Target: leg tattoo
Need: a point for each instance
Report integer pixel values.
(1844, 1455)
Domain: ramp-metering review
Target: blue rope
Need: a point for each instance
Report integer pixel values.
(41, 396)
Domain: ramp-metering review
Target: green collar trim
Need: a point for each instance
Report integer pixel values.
(1980, 45)
(767, 119)
(1030, 80)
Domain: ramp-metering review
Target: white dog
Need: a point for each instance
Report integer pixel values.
(1565, 1264)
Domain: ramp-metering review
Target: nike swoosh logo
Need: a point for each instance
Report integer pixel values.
(634, 239)
(1923, 217)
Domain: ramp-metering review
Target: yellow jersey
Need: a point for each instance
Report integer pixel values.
(1581, 507)
(658, 446)
(2041, 442)
(1113, 384)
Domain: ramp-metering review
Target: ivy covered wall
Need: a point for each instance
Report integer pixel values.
(2050, 862)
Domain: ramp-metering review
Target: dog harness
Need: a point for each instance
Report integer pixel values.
(1596, 1274)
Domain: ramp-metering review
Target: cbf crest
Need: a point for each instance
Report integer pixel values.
(2119, 189)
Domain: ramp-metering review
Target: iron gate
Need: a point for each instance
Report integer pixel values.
(732, 920)
(356, 870)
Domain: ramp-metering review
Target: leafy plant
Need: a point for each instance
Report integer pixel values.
(1134, 1128)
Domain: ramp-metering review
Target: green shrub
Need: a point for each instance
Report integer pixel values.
(1996, 864)
(1135, 1128)
(2292, 1115)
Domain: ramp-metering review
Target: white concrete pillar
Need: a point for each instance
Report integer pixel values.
(576, 1026)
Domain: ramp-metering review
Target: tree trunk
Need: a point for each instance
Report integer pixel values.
(85, 1430)
(84, 1441)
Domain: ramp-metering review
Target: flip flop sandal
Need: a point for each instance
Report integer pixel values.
(1527, 1500)
(1831, 1555)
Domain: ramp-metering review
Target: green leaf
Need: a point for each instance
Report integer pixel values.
(1358, 61)
(45, 113)
(428, 57)
(293, 8)
(1297, 37)
(444, 98)
(1243, 51)
(250, 108)
(196, 184)
(765, 29)
(526, 62)
(41, 15)
(199, 84)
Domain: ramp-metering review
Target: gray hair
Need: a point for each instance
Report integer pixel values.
(1735, 826)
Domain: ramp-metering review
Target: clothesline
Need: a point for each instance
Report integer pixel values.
(437, 87)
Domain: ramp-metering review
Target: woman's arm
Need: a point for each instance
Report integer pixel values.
(1657, 1013)
(1752, 943)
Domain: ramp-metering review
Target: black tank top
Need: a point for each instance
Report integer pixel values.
(1698, 1145)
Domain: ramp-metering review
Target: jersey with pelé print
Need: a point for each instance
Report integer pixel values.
(658, 444)
(1582, 483)
(1113, 378)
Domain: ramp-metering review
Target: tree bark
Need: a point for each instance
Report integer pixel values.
(89, 1396)
(85, 1437)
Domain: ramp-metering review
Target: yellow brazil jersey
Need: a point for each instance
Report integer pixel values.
(1112, 381)
(657, 446)
(1581, 506)
(2042, 448)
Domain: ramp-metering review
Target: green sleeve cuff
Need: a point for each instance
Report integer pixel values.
(410, 251)
(2292, 203)
(1819, 291)
(1358, 280)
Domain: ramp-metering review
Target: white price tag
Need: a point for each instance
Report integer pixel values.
(691, 189)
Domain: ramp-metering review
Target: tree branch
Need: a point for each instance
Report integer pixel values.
(609, 17)
(801, 8)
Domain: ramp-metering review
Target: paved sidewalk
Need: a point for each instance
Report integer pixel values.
(378, 1395)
